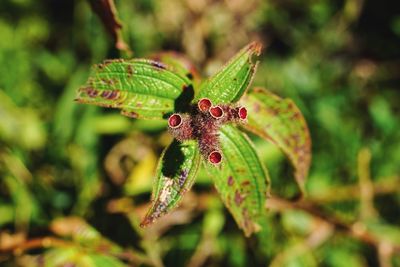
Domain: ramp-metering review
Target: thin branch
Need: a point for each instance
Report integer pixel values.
(383, 186)
(357, 230)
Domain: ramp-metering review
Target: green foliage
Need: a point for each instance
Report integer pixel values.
(336, 60)
(141, 88)
(280, 121)
(175, 175)
(241, 180)
(230, 83)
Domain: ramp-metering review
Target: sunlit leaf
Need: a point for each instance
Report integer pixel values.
(230, 83)
(175, 175)
(180, 64)
(140, 88)
(280, 121)
(241, 179)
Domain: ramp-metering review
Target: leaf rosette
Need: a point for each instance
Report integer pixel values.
(204, 119)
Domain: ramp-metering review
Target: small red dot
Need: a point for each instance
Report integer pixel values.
(204, 104)
(215, 157)
(175, 120)
(243, 113)
(216, 112)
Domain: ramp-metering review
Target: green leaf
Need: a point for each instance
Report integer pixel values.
(280, 121)
(140, 88)
(231, 82)
(241, 179)
(180, 64)
(175, 175)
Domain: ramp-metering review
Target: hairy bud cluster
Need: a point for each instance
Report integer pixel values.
(202, 123)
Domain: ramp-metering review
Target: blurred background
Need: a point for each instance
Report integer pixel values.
(75, 180)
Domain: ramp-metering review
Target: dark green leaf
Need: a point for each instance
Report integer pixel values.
(280, 121)
(231, 82)
(141, 88)
(241, 179)
(175, 175)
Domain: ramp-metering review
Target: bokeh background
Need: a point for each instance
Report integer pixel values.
(75, 180)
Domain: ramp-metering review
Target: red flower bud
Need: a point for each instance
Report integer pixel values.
(204, 104)
(175, 120)
(216, 112)
(215, 157)
(243, 113)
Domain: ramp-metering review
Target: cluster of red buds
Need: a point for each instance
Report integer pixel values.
(202, 123)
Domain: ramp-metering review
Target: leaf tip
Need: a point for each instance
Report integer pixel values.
(147, 220)
(255, 48)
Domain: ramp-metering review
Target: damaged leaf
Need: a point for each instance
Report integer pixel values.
(230, 83)
(140, 88)
(175, 175)
(241, 179)
(280, 121)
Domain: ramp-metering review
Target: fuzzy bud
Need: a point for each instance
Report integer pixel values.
(215, 157)
(204, 104)
(180, 126)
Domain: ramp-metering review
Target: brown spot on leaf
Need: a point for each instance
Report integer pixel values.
(129, 70)
(110, 94)
(91, 92)
(239, 198)
(107, 81)
(295, 116)
(158, 65)
(245, 183)
(130, 114)
(230, 181)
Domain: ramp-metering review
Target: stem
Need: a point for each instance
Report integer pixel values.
(356, 230)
